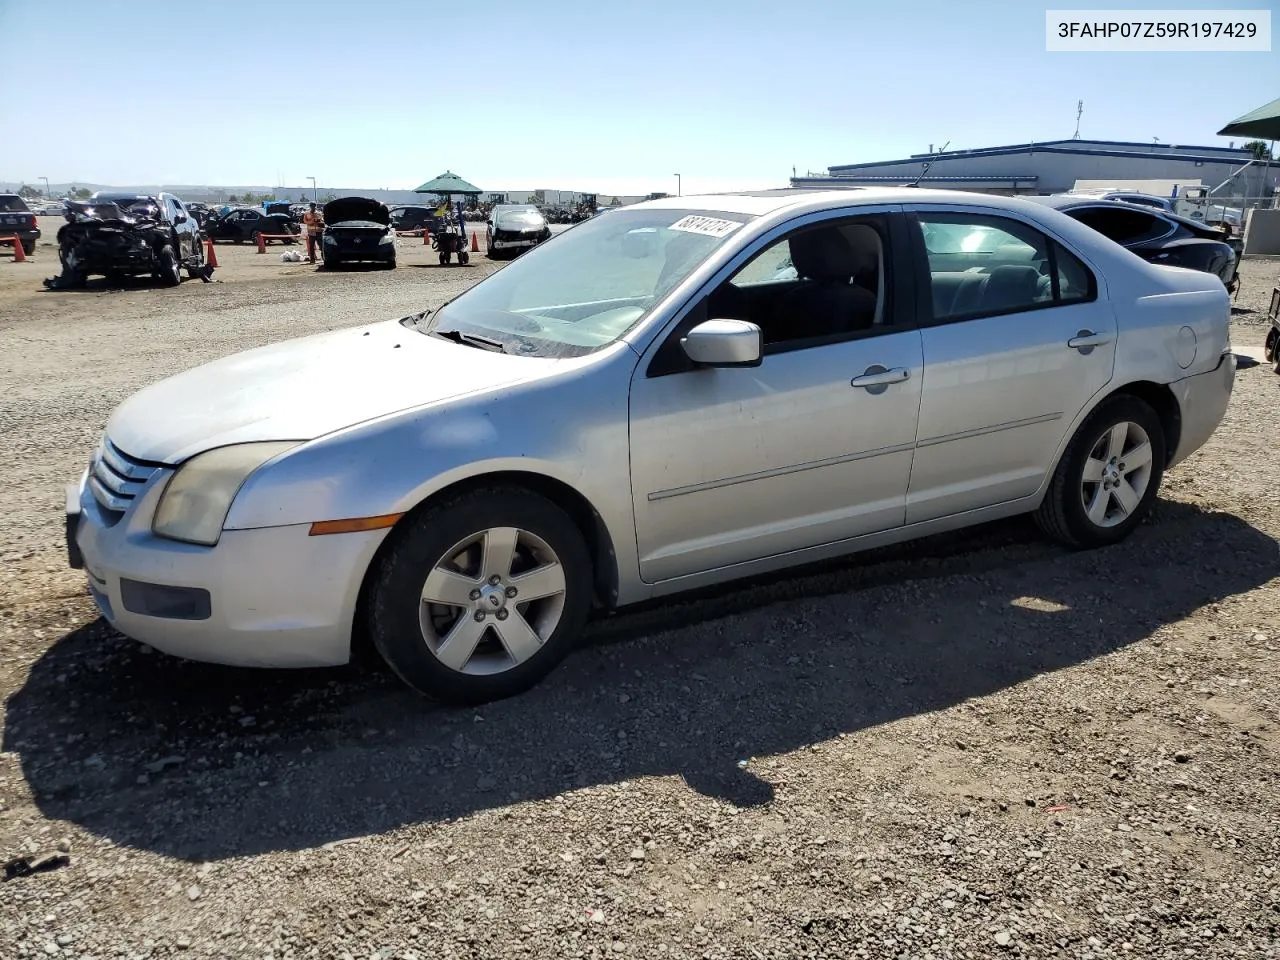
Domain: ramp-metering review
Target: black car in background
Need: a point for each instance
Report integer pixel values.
(407, 217)
(200, 211)
(17, 220)
(244, 224)
(1156, 235)
(358, 229)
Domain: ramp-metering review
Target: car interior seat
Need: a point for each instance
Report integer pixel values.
(826, 301)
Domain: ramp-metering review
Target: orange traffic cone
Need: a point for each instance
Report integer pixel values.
(426, 238)
(19, 255)
(210, 255)
(475, 243)
(262, 244)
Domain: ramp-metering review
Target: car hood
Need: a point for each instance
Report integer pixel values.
(306, 388)
(356, 208)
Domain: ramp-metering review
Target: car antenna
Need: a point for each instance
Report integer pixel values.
(925, 168)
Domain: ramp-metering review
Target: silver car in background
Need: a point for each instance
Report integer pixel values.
(684, 392)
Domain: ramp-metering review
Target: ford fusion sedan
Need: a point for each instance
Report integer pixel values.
(681, 393)
(513, 228)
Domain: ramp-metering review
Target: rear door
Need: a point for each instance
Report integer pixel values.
(1018, 337)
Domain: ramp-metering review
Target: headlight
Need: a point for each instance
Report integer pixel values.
(330, 238)
(389, 238)
(198, 496)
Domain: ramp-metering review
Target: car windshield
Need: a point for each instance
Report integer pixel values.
(587, 287)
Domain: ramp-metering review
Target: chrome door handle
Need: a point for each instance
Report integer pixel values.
(1087, 339)
(878, 376)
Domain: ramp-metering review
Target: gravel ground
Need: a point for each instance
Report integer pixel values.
(980, 745)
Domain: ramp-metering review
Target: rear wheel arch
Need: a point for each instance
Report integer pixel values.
(1158, 396)
(1161, 399)
(584, 515)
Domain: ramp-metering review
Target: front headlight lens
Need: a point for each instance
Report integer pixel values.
(198, 497)
(330, 238)
(389, 238)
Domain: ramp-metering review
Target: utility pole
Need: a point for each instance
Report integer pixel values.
(1079, 111)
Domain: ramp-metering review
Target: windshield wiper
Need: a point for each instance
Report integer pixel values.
(469, 340)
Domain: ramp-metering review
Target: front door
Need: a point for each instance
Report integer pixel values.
(1017, 340)
(812, 446)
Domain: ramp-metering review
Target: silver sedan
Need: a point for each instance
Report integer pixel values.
(684, 392)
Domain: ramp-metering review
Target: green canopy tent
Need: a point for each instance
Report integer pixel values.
(1263, 123)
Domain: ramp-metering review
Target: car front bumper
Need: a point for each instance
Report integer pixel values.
(1202, 400)
(268, 597)
(513, 244)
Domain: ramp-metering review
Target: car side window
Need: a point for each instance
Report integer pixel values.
(981, 265)
(816, 284)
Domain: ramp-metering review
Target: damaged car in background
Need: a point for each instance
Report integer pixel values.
(126, 235)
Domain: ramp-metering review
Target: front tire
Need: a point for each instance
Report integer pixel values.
(1108, 477)
(169, 272)
(479, 596)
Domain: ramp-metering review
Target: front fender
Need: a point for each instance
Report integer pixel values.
(571, 428)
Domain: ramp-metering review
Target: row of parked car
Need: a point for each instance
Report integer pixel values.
(162, 235)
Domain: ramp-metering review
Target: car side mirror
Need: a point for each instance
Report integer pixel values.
(180, 218)
(724, 343)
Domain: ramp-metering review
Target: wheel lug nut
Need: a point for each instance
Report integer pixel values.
(475, 594)
(502, 614)
(495, 580)
(511, 592)
(479, 614)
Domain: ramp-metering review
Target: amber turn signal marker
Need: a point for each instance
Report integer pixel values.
(356, 525)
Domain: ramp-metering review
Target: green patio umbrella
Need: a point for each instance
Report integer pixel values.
(448, 184)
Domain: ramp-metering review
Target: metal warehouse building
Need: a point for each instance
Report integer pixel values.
(1056, 165)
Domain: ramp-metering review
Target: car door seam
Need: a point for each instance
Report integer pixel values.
(777, 472)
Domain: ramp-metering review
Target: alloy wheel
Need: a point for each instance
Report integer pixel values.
(492, 601)
(1116, 474)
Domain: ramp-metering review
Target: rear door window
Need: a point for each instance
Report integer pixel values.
(985, 265)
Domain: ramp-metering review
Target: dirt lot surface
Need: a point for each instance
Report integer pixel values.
(977, 746)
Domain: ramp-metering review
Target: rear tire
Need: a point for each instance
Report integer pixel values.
(1108, 476)
(28, 247)
(473, 549)
(1272, 350)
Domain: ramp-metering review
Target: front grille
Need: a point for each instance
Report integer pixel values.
(115, 479)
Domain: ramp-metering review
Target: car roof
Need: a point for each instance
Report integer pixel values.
(762, 202)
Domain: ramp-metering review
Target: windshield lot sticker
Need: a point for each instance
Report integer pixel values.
(707, 226)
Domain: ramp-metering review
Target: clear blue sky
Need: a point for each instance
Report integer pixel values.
(570, 95)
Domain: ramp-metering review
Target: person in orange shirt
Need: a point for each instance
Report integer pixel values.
(313, 220)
